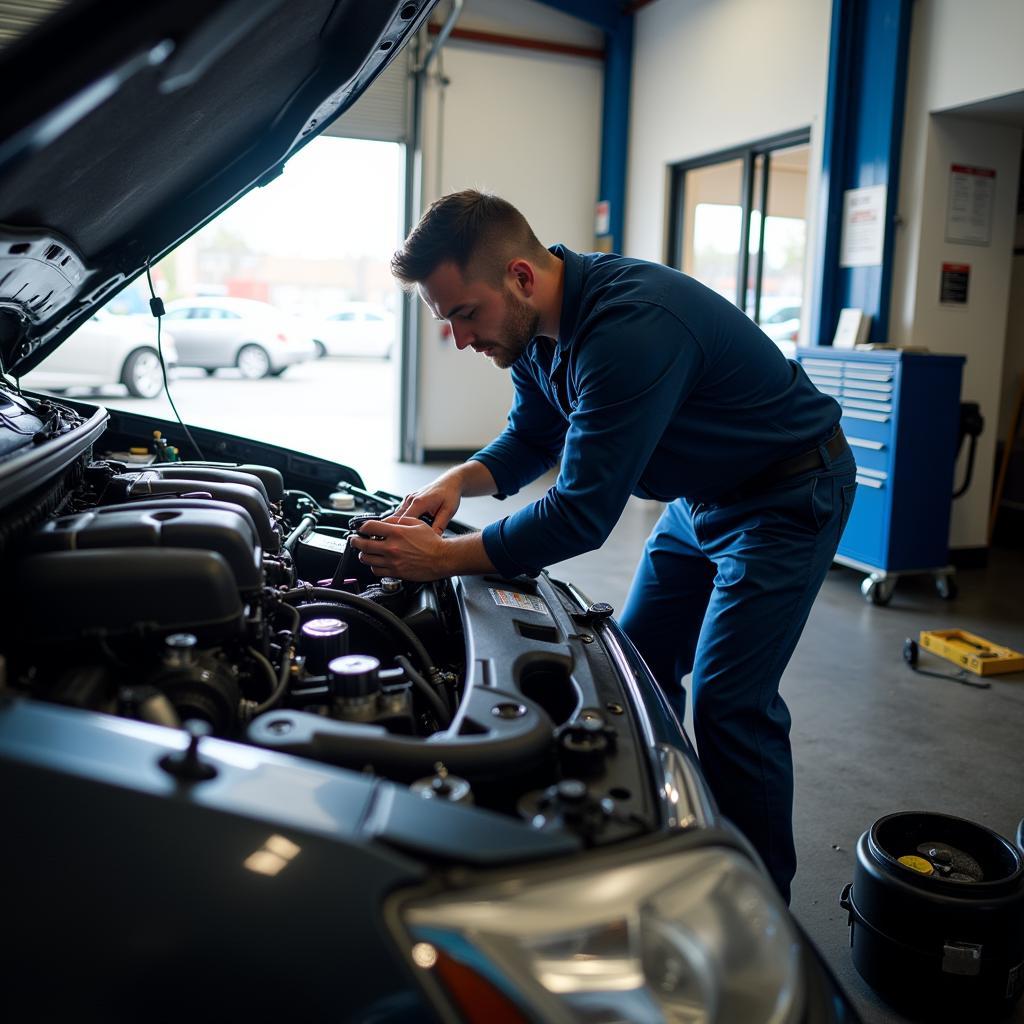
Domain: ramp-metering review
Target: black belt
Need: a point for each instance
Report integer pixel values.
(778, 472)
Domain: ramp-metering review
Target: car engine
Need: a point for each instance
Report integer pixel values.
(215, 598)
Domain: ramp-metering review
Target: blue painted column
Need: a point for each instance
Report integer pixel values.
(618, 75)
(867, 78)
(615, 19)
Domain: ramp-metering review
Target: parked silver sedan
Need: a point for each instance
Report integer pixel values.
(255, 337)
(108, 349)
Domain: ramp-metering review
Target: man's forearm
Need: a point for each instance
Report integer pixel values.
(465, 555)
(474, 478)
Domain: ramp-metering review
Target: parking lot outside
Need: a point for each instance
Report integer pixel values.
(340, 409)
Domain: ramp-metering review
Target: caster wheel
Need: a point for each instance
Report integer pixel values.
(877, 592)
(946, 588)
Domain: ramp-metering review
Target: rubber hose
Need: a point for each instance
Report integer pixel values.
(375, 610)
(436, 705)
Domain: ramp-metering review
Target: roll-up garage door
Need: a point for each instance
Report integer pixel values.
(380, 113)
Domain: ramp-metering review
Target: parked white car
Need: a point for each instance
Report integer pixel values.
(780, 318)
(107, 349)
(356, 329)
(255, 337)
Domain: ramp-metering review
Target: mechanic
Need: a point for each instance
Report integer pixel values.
(645, 382)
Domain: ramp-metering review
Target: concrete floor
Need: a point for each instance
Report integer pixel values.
(869, 736)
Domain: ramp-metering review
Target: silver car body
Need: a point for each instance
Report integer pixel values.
(219, 332)
(103, 351)
(357, 329)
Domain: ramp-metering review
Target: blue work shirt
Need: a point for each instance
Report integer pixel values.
(656, 386)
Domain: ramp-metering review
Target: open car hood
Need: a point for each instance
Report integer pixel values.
(125, 127)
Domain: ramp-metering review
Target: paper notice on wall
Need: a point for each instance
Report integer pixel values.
(602, 217)
(863, 227)
(969, 211)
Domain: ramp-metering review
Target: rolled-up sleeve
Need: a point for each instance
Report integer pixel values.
(632, 373)
(531, 442)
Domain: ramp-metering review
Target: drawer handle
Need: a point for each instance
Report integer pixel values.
(875, 474)
(866, 396)
(867, 385)
(875, 417)
(868, 481)
(857, 404)
(881, 373)
(860, 442)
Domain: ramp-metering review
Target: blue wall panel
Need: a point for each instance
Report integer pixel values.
(863, 132)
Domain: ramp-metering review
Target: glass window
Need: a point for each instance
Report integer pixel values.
(739, 226)
(711, 225)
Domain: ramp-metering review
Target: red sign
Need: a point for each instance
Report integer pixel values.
(981, 172)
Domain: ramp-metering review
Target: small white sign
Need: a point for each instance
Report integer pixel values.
(852, 328)
(863, 227)
(602, 217)
(520, 601)
(969, 212)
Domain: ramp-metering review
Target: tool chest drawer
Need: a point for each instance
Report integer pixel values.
(900, 414)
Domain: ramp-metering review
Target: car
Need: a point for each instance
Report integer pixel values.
(356, 329)
(255, 337)
(240, 777)
(107, 350)
(780, 319)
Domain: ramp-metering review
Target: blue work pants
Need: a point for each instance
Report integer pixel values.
(723, 591)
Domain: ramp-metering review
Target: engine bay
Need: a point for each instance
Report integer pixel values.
(219, 598)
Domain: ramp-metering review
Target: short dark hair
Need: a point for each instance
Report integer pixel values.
(476, 231)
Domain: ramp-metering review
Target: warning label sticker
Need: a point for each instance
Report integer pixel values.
(514, 599)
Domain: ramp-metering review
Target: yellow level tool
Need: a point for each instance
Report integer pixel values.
(972, 652)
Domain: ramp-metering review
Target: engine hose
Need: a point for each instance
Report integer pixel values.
(305, 523)
(441, 713)
(268, 670)
(370, 608)
(317, 609)
(281, 680)
(295, 617)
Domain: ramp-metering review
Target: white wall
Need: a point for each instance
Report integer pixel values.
(526, 125)
(711, 74)
(974, 49)
(959, 55)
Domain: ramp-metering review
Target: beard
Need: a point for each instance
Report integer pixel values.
(517, 330)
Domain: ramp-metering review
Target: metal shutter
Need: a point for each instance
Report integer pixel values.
(381, 112)
(17, 18)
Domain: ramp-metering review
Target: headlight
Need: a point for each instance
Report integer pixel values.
(697, 937)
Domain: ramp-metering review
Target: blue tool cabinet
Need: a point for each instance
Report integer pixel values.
(901, 416)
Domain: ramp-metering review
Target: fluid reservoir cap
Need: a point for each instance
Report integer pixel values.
(343, 501)
(180, 649)
(323, 640)
(354, 675)
(323, 627)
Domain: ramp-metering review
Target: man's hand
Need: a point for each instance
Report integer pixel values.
(411, 550)
(439, 499)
